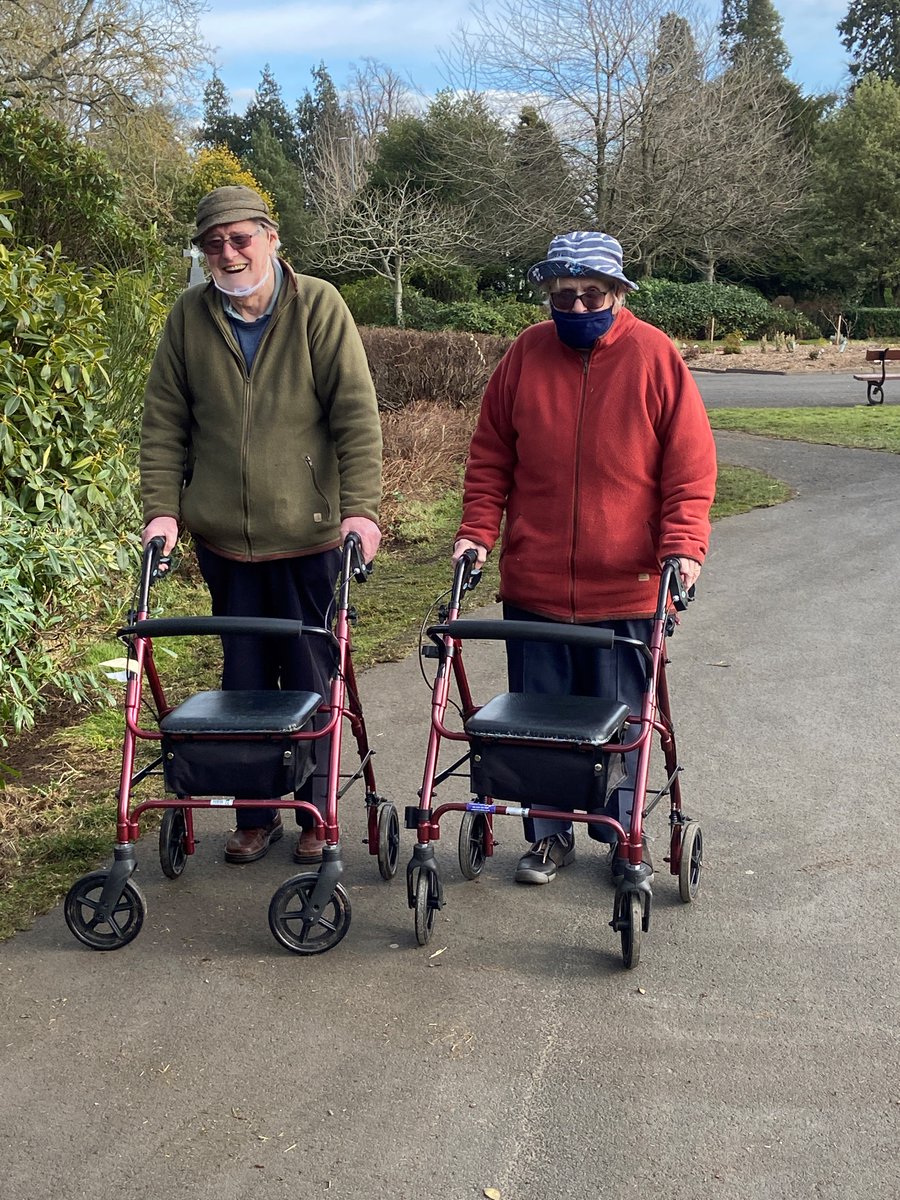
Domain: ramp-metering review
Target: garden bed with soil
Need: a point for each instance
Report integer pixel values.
(802, 360)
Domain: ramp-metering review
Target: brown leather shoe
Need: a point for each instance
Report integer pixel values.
(309, 847)
(247, 845)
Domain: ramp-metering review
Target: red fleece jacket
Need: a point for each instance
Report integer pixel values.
(604, 465)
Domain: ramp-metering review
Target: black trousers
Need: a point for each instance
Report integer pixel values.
(299, 589)
(554, 669)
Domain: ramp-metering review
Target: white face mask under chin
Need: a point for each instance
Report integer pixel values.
(240, 292)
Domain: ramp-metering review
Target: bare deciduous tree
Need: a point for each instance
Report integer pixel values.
(84, 61)
(680, 159)
(377, 96)
(716, 175)
(383, 230)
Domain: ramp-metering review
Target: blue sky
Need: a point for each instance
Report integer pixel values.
(293, 36)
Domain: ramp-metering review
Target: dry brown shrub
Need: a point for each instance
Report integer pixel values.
(447, 367)
(425, 446)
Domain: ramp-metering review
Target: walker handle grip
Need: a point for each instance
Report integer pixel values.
(359, 569)
(471, 571)
(679, 593)
(158, 562)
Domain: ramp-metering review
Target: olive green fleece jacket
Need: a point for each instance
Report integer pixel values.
(266, 463)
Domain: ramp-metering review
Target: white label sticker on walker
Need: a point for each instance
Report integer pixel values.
(221, 801)
(643, 577)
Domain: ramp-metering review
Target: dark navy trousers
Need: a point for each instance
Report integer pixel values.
(552, 669)
(299, 589)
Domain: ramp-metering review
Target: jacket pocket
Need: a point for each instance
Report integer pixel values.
(317, 488)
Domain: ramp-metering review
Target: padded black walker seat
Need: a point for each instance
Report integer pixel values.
(532, 749)
(241, 712)
(240, 744)
(574, 720)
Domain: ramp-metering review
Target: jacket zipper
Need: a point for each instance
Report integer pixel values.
(579, 425)
(316, 488)
(232, 343)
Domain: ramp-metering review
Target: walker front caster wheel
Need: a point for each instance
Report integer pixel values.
(472, 831)
(691, 866)
(111, 932)
(628, 919)
(426, 905)
(388, 839)
(172, 835)
(297, 927)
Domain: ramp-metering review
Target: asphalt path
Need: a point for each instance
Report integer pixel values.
(756, 389)
(753, 1054)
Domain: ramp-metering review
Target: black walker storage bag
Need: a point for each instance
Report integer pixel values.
(238, 744)
(532, 749)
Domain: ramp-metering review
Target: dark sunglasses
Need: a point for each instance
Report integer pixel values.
(592, 298)
(240, 241)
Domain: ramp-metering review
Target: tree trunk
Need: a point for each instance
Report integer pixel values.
(398, 291)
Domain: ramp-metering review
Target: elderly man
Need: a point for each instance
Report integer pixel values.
(261, 437)
(594, 444)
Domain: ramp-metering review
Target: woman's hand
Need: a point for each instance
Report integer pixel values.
(689, 570)
(461, 546)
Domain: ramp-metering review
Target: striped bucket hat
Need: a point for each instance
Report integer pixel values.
(581, 253)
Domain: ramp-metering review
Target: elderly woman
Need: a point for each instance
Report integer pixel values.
(594, 444)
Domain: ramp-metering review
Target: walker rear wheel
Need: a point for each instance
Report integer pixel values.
(426, 905)
(300, 930)
(472, 830)
(104, 933)
(630, 923)
(388, 839)
(691, 866)
(172, 834)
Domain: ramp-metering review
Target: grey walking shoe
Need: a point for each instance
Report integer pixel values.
(545, 857)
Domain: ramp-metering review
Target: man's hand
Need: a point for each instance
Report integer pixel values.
(460, 547)
(369, 535)
(164, 527)
(689, 570)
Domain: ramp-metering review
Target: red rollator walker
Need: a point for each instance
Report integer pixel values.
(225, 749)
(523, 747)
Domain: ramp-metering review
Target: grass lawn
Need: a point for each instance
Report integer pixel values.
(865, 427)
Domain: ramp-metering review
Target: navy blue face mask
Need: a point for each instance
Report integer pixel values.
(581, 330)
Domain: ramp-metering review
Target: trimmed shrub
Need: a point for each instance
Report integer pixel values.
(447, 367)
(881, 323)
(504, 318)
(372, 303)
(449, 284)
(424, 445)
(685, 310)
(369, 300)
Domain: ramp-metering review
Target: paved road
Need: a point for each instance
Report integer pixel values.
(752, 1056)
(738, 389)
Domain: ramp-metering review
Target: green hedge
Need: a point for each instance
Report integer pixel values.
(371, 302)
(685, 310)
(881, 323)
